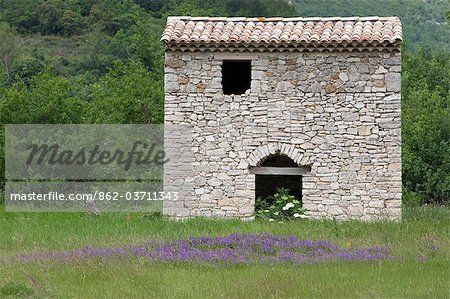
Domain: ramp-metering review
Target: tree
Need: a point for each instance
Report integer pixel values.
(426, 127)
(141, 42)
(47, 99)
(9, 49)
(110, 16)
(128, 94)
(71, 22)
(20, 14)
(49, 14)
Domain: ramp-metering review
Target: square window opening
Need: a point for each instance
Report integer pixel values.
(236, 76)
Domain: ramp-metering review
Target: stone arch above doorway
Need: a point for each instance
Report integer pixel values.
(260, 154)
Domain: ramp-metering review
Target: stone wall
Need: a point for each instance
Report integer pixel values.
(336, 112)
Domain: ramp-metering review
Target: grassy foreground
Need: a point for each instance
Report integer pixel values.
(420, 244)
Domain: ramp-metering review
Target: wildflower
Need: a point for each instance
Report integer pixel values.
(288, 206)
(297, 215)
(422, 259)
(271, 220)
(231, 249)
(276, 213)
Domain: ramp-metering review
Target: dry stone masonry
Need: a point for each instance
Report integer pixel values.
(331, 104)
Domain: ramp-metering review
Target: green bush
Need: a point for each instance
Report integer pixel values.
(280, 206)
(412, 199)
(426, 127)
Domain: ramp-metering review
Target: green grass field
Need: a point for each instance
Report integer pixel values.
(420, 242)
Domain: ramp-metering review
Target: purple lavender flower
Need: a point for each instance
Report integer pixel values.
(422, 259)
(231, 249)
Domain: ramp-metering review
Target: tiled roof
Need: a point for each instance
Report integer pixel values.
(283, 32)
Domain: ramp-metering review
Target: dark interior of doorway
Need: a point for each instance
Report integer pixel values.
(267, 185)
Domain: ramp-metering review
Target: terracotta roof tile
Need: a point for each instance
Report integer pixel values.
(277, 31)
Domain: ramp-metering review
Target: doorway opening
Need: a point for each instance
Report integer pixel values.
(278, 171)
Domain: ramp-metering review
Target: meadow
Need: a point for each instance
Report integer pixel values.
(418, 266)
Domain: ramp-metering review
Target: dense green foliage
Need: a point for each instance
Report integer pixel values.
(100, 61)
(426, 127)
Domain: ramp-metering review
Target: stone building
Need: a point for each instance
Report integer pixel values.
(312, 104)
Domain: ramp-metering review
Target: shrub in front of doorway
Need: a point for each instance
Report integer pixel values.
(280, 206)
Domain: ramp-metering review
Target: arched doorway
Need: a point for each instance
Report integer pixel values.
(278, 171)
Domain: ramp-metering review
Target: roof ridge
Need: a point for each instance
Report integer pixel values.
(287, 19)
